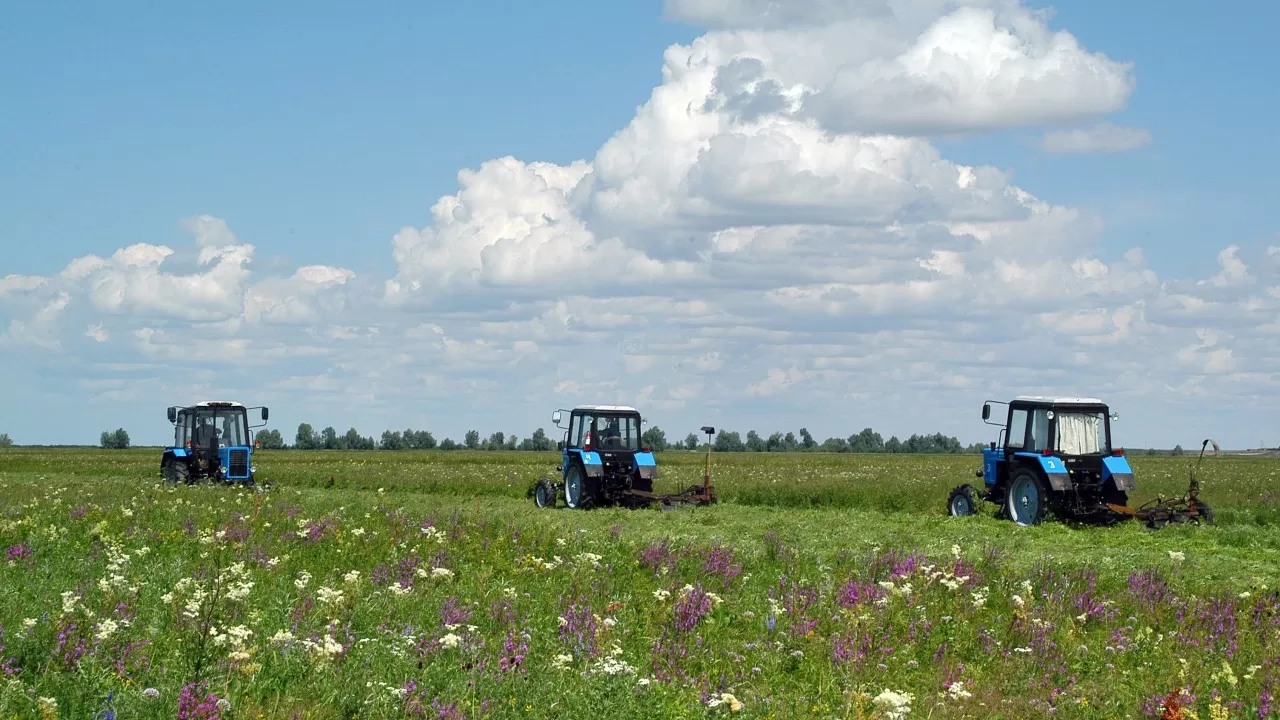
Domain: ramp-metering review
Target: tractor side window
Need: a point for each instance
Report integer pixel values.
(1017, 429)
(575, 431)
(1039, 430)
(631, 433)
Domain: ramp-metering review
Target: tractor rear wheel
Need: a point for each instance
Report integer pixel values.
(176, 473)
(544, 494)
(961, 503)
(576, 493)
(1026, 499)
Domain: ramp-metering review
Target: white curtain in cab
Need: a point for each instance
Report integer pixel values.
(1079, 433)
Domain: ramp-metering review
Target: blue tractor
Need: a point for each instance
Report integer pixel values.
(603, 459)
(212, 441)
(1055, 455)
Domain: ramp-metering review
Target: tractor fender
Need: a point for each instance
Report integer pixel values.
(1055, 471)
(176, 452)
(1117, 468)
(592, 465)
(646, 465)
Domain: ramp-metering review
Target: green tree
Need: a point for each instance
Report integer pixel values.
(867, 441)
(448, 444)
(305, 439)
(5, 442)
(419, 439)
(755, 443)
(655, 439)
(270, 439)
(329, 438)
(806, 440)
(691, 442)
(117, 440)
(392, 440)
(729, 441)
(472, 439)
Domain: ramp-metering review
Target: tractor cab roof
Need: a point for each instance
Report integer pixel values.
(218, 403)
(605, 409)
(1043, 400)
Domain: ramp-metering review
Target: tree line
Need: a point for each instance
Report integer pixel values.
(867, 441)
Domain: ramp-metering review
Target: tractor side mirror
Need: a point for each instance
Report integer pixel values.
(555, 418)
(173, 414)
(265, 414)
(986, 411)
(1115, 416)
(708, 429)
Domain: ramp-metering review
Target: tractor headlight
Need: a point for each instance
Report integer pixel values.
(253, 469)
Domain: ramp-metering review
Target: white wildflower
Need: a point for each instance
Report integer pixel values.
(304, 578)
(106, 628)
(450, 641)
(895, 705)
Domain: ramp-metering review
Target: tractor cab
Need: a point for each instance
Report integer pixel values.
(603, 453)
(211, 439)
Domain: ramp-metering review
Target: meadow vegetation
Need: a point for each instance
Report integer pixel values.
(426, 584)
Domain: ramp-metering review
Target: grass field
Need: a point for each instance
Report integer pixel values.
(426, 584)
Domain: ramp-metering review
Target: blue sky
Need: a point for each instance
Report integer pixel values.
(315, 134)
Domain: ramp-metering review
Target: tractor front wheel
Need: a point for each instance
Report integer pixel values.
(544, 494)
(961, 503)
(1026, 498)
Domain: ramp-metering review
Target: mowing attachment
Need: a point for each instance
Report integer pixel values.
(1188, 508)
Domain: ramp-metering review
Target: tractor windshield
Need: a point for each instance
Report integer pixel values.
(229, 425)
(1082, 433)
(616, 432)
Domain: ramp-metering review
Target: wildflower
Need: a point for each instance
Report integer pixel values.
(151, 693)
(561, 661)
(304, 578)
(328, 595)
(352, 577)
(48, 708)
(450, 641)
(1177, 555)
(895, 705)
(955, 550)
(28, 623)
(735, 705)
(106, 629)
(661, 594)
(957, 691)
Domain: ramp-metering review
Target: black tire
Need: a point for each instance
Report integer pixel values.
(577, 491)
(176, 473)
(641, 483)
(961, 502)
(1026, 499)
(544, 494)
